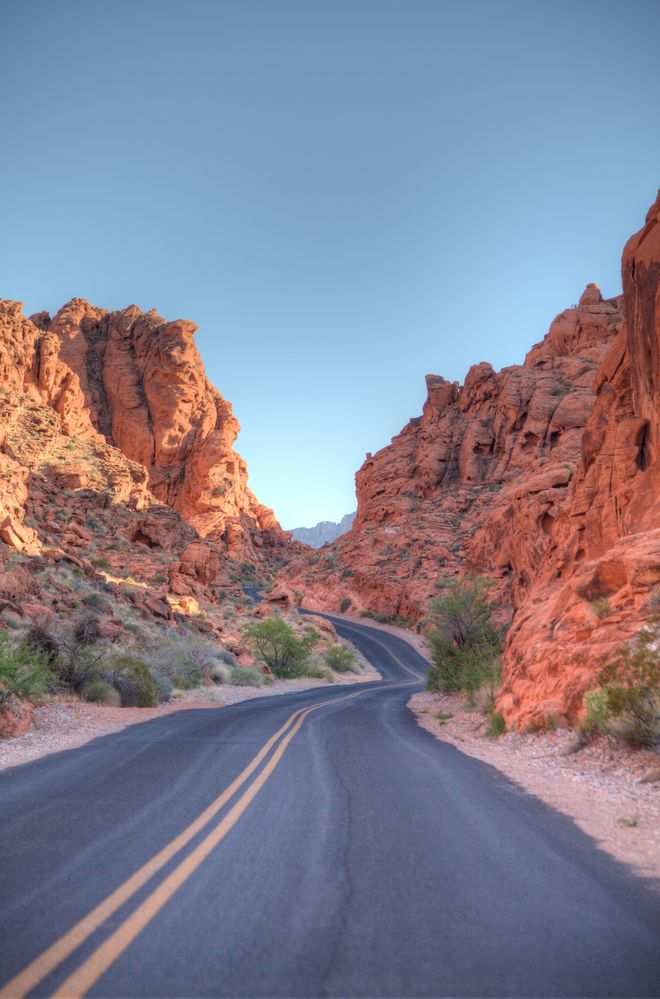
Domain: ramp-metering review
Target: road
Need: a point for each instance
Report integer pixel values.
(312, 844)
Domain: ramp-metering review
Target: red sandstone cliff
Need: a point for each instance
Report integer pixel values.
(135, 382)
(543, 476)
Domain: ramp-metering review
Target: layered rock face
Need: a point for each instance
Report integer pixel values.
(116, 458)
(543, 476)
(137, 383)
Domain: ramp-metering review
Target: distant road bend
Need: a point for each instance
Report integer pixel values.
(311, 844)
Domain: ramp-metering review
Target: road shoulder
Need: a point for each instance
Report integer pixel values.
(611, 792)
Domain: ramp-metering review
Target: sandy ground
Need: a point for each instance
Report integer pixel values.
(65, 724)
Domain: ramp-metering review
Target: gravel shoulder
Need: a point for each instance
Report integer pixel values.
(66, 724)
(611, 792)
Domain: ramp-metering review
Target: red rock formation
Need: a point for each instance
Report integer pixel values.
(116, 456)
(543, 476)
(145, 391)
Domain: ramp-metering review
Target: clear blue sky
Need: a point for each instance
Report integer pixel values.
(344, 195)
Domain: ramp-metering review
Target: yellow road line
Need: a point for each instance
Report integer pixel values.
(48, 960)
(97, 963)
(107, 953)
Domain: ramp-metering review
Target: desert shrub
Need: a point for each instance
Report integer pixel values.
(341, 659)
(465, 644)
(162, 687)
(184, 658)
(601, 607)
(221, 672)
(274, 641)
(101, 563)
(496, 725)
(40, 638)
(132, 678)
(87, 631)
(626, 705)
(345, 604)
(99, 691)
(227, 657)
(317, 671)
(24, 672)
(94, 602)
(247, 676)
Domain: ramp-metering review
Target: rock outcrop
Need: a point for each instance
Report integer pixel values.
(543, 476)
(133, 382)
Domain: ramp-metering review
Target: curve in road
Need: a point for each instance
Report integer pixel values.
(312, 844)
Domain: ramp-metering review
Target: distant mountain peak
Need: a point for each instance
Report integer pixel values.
(323, 532)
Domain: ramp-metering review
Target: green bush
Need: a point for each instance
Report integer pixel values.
(99, 691)
(275, 642)
(341, 659)
(24, 672)
(247, 676)
(345, 604)
(465, 644)
(496, 725)
(626, 705)
(132, 677)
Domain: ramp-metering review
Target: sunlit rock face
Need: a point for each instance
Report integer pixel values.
(543, 476)
(324, 532)
(139, 382)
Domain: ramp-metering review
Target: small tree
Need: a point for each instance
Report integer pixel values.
(276, 643)
(465, 644)
(24, 673)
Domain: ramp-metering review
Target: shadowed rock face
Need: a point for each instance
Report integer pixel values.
(543, 476)
(132, 386)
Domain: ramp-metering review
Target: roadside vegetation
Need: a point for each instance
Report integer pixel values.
(466, 647)
(626, 703)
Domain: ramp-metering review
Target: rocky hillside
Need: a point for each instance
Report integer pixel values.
(117, 464)
(323, 532)
(543, 476)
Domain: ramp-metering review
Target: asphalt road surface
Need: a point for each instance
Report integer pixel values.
(311, 844)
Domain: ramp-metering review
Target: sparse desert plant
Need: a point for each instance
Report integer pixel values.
(132, 678)
(227, 657)
(99, 691)
(465, 644)
(101, 563)
(183, 657)
(162, 687)
(221, 672)
(41, 639)
(345, 604)
(247, 676)
(24, 673)
(626, 704)
(496, 725)
(341, 659)
(94, 602)
(601, 607)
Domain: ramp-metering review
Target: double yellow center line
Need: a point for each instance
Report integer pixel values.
(81, 980)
